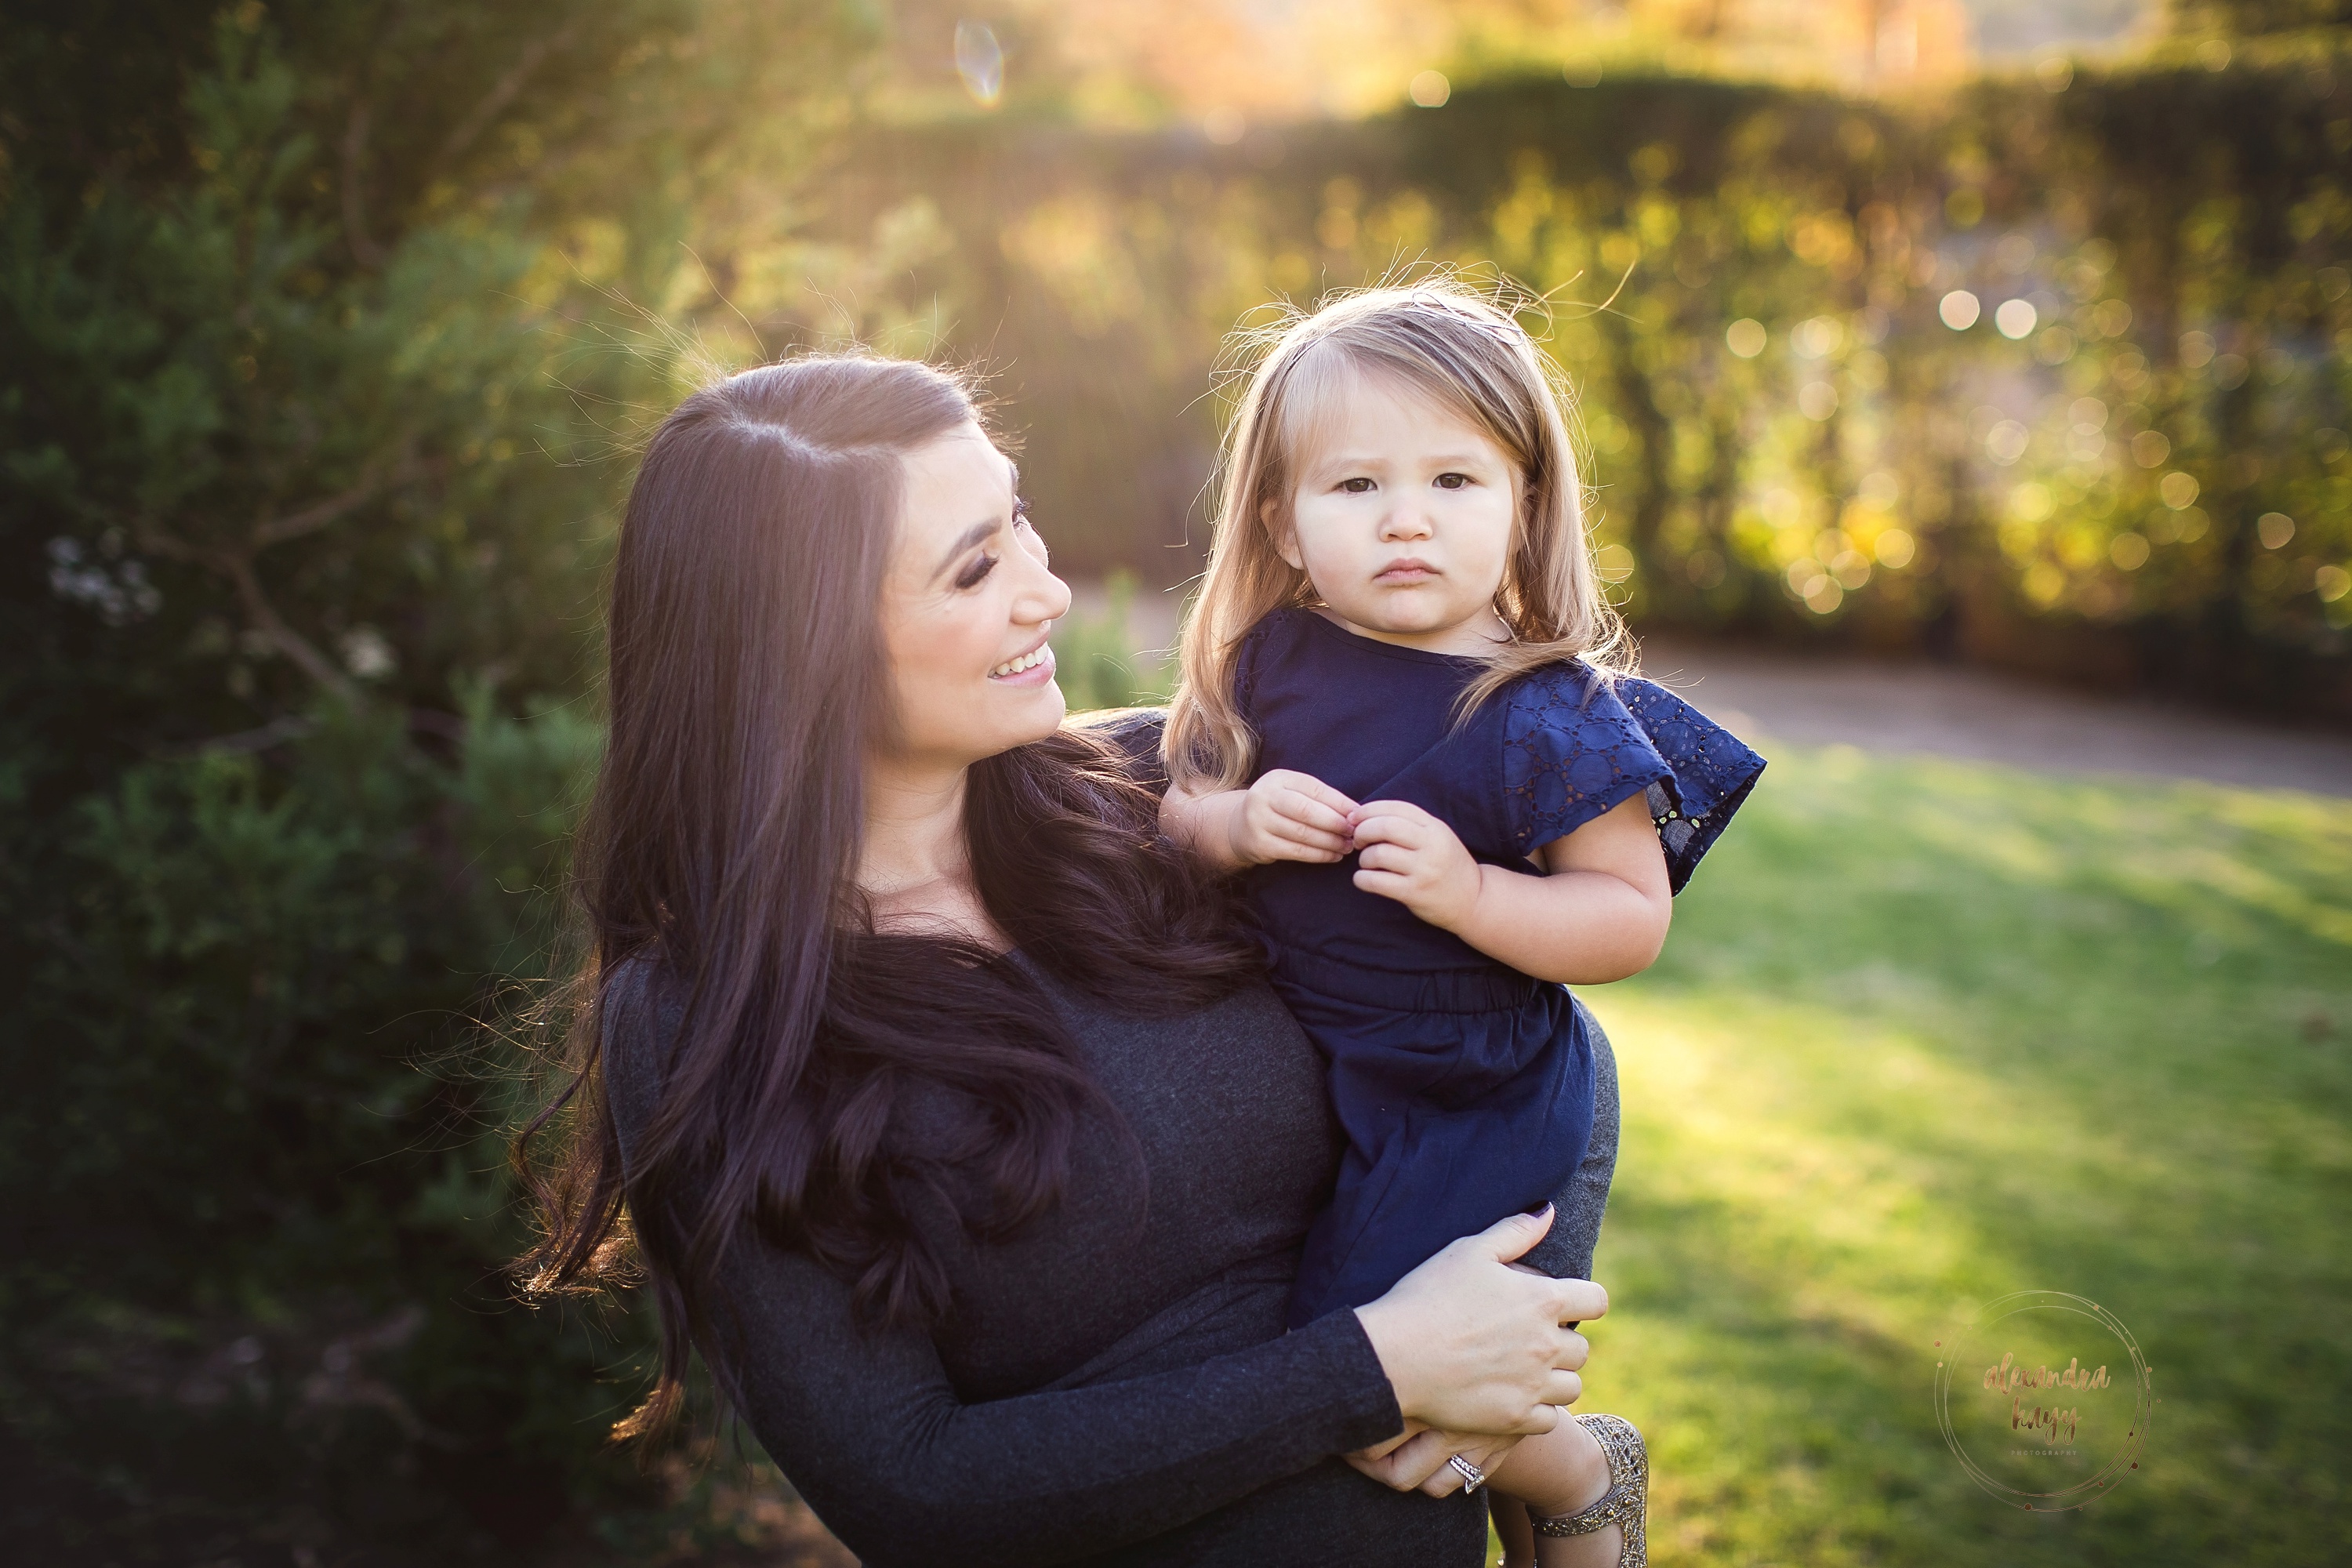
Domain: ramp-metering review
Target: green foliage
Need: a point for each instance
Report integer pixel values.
(317, 354)
(1094, 661)
(2148, 480)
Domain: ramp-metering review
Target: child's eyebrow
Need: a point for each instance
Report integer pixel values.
(1375, 460)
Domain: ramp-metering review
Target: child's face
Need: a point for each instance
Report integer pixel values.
(1402, 518)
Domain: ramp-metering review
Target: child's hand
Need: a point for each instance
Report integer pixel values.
(1287, 816)
(1407, 855)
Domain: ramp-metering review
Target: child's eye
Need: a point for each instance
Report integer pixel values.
(1452, 481)
(971, 575)
(1356, 486)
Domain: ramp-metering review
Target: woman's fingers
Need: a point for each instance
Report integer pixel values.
(1580, 1300)
(1510, 1238)
(1563, 1387)
(1473, 1345)
(1412, 1465)
(1483, 1453)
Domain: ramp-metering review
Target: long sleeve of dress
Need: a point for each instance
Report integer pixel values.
(867, 1425)
(870, 1432)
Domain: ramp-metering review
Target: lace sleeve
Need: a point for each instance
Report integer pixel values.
(1713, 773)
(1574, 746)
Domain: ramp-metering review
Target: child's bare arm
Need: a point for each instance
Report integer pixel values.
(1599, 913)
(1284, 816)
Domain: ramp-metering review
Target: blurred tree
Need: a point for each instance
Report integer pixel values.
(2254, 18)
(316, 323)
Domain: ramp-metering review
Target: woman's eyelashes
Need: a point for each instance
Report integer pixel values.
(971, 576)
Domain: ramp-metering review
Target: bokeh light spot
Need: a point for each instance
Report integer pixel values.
(1959, 309)
(979, 60)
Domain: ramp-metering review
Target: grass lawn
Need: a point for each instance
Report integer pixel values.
(1930, 1032)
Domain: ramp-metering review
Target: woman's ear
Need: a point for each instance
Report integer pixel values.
(1272, 517)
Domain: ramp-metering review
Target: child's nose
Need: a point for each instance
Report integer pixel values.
(1405, 520)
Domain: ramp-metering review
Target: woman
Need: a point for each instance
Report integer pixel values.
(951, 1122)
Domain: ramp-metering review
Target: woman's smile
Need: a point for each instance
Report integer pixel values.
(1035, 668)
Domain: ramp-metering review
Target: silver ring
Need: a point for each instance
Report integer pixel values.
(1473, 1478)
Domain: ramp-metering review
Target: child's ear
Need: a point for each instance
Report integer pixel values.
(1286, 539)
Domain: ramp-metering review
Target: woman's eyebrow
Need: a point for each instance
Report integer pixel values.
(970, 537)
(978, 531)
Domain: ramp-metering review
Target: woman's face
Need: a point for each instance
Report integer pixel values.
(966, 608)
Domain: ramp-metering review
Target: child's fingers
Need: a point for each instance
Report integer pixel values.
(1316, 789)
(1400, 810)
(1300, 807)
(1395, 859)
(1387, 884)
(1295, 842)
(1289, 780)
(1402, 831)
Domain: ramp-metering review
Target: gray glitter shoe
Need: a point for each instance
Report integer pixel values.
(1627, 1503)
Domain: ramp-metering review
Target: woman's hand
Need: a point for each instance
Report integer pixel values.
(1472, 1345)
(1419, 1463)
(1406, 854)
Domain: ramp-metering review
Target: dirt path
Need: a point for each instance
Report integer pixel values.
(1937, 709)
(1960, 712)
(1941, 710)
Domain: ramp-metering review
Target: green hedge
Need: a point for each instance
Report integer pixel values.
(1872, 478)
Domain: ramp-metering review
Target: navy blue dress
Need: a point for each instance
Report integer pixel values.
(1465, 1087)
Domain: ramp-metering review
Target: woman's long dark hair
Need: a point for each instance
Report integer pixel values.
(748, 674)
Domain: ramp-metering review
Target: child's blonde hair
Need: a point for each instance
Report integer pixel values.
(1447, 341)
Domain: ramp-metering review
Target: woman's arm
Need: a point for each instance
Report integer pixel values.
(868, 1429)
(1599, 913)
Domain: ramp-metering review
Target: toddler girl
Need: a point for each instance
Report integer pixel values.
(1398, 720)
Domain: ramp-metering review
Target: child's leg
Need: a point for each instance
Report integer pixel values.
(1561, 1472)
(1566, 1250)
(1511, 1526)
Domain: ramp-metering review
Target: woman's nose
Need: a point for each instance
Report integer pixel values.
(1044, 597)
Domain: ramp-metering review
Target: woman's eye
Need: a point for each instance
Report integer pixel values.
(971, 575)
(1452, 481)
(1356, 486)
(1021, 512)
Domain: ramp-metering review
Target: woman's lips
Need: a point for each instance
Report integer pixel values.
(1035, 668)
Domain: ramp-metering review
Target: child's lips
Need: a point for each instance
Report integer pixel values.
(1407, 572)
